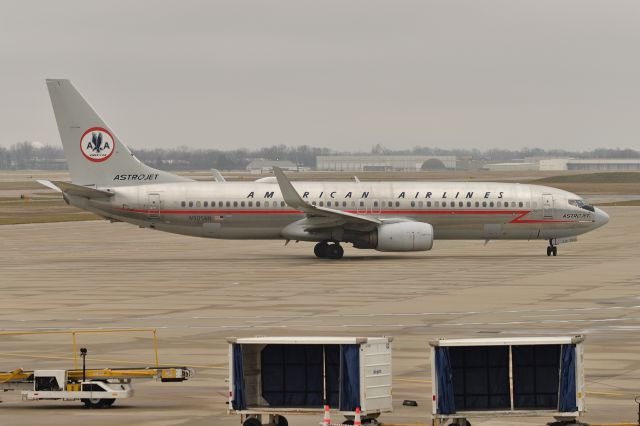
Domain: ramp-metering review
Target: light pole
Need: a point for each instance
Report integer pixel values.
(83, 354)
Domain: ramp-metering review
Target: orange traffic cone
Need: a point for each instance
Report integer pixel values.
(357, 421)
(326, 420)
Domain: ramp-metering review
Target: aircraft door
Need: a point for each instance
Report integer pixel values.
(547, 206)
(153, 206)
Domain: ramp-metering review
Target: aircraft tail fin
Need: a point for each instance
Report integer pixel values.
(95, 155)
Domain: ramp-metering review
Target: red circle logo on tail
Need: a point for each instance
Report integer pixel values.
(97, 144)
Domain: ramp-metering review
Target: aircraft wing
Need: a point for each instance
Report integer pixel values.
(79, 190)
(314, 213)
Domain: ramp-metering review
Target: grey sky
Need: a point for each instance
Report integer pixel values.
(342, 74)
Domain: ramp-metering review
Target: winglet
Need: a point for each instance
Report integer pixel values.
(289, 193)
(217, 176)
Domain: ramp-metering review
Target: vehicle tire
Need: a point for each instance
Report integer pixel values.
(93, 403)
(252, 421)
(321, 249)
(548, 251)
(555, 251)
(109, 402)
(347, 422)
(282, 421)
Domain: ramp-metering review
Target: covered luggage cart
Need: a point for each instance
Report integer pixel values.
(522, 376)
(271, 377)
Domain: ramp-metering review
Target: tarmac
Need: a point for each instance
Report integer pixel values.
(198, 292)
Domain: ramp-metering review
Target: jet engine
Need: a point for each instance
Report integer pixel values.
(399, 236)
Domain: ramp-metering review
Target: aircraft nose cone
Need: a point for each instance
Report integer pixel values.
(602, 218)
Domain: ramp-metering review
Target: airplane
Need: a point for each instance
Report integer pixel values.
(108, 180)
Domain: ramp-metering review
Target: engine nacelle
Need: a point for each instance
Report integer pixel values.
(399, 236)
(405, 236)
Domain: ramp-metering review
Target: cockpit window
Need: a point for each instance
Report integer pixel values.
(581, 204)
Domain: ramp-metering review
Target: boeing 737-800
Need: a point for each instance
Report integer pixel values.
(108, 180)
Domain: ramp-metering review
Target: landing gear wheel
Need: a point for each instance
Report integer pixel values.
(335, 251)
(549, 249)
(554, 251)
(321, 249)
(252, 421)
(281, 421)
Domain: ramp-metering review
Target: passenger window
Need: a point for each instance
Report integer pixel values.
(228, 204)
(477, 203)
(206, 204)
(328, 203)
(282, 204)
(313, 203)
(235, 204)
(527, 205)
(460, 204)
(361, 203)
(241, 203)
(321, 203)
(499, 204)
(250, 203)
(257, 203)
(397, 203)
(413, 204)
(484, 204)
(437, 204)
(344, 204)
(520, 204)
(183, 204)
(491, 204)
(420, 204)
(444, 204)
(197, 203)
(468, 203)
(428, 203)
(190, 203)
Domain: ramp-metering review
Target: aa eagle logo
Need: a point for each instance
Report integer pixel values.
(97, 144)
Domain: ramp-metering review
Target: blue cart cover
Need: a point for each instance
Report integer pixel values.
(350, 395)
(446, 402)
(239, 401)
(567, 392)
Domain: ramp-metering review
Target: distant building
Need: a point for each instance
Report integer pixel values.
(265, 166)
(604, 164)
(504, 167)
(360, 163)
(621, 164)
(554, 163)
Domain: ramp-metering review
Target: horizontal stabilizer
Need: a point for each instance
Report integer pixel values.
(78, 190)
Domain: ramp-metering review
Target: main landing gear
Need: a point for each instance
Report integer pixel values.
(330, 251)
(552, 250)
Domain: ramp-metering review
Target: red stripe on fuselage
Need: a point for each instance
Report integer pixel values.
(518, 219)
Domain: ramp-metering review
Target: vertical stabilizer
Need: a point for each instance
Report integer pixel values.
(95, 155)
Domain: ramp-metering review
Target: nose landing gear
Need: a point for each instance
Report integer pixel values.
(552, 250)
(330, 251)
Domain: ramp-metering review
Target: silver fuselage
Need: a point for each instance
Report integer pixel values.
(256, 210)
